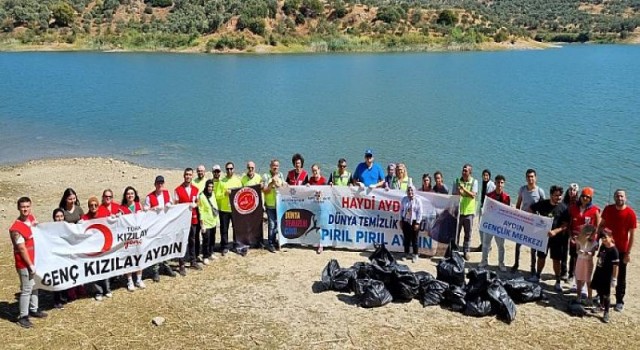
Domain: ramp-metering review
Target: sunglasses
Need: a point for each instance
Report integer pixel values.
(585, 196)
(107, 196)
(93, 205)
(229, 169)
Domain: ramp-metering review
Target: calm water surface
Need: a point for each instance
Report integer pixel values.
(570, 113)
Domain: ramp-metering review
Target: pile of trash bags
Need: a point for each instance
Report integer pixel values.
(383, 280)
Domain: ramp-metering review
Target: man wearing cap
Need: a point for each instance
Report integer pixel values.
(158, 199)
(227, 183)
(621, 219)
(188, 193)
(368, 173)
(271, 182)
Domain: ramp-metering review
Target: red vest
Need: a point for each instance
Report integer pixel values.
(153, 199)
(137, 207)
(104, 212)
(25, 231)
(579, 219)
(296, 181)
(183, 197)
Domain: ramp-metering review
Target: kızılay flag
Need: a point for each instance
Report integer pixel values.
(69, 255)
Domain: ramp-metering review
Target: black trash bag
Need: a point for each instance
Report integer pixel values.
(404, 284)
(502, 303)
(360, 285)
(363, 269)
(383, 273)
(343, 280)
(424, 276)
(432, 292)
(479, 281)
(451, 270)
(454, 298)
(576, 309)
(374, 294)
(522, 291)
(328, 272)
(478, 307)
(382, 257)
(336, 278)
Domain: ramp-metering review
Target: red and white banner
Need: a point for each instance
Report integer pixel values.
(68, 255)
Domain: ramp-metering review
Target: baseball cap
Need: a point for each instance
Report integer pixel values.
(159, 179)
(368, 152)
(217, 167)
(587, 191)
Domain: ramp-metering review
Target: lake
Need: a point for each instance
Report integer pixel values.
(571, 113)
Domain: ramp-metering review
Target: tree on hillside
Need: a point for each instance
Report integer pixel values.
(447, 18)
(62, 13)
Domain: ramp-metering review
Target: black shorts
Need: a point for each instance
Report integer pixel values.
(558, 247)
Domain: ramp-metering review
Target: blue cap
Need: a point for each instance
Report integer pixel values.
(369, 151)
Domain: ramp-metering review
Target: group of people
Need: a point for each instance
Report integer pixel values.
(578, 225)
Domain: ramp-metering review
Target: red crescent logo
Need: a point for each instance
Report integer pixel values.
(108, 238)
(246, 200)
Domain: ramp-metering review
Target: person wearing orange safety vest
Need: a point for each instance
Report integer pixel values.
(188, 193)
(24, 254)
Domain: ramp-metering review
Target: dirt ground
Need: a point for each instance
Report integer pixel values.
(266, 300)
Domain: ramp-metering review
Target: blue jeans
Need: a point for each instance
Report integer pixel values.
(272, 232)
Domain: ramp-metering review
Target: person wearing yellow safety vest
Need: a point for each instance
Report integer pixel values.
(271, 181)
(402, 180)
(467, 187)
(251, 178)
(226, 184)
(208, 210)
(340, 177)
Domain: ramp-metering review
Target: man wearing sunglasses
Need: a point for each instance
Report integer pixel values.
(226, 184)
(340, 177)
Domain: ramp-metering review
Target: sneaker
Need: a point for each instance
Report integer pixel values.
(24, 322)
(109, 295)
(414, 258)
(195, 265)
(573, 289)
(130, 286)
(98, 297)
(140, 284)
(168, 270)
(564, 277)
(224, 252)
(619, 307)
(533, 279)
(557, 287)
(205, 261)
(503, 268)
(38, 314)
(182, 271)
(271, 249)
(59, 306)
(483, 265)
(156, 276)
(319, 250)
(605, 317)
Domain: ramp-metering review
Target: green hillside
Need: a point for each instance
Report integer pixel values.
(310, 25)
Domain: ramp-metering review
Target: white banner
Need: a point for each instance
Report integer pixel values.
(68, 255)
(516, 225)
(354, 218)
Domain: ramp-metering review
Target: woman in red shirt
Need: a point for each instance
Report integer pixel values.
(582, 212)
(316, 178)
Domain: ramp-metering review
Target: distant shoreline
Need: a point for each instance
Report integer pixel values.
(13, 46)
